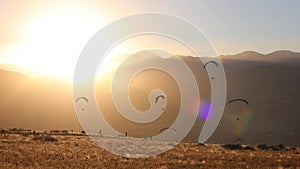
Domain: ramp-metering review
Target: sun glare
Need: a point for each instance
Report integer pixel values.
(122, 50)
(54, 40)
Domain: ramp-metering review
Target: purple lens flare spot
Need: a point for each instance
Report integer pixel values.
(204, 110)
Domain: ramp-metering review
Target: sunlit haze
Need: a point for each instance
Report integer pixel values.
(46, 37)
(53, 39)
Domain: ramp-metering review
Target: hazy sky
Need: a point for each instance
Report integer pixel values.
(232, 26)
(237, 25)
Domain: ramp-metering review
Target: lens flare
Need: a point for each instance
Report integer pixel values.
(204, 110)
(239, 121)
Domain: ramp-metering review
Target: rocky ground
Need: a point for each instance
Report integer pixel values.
(45, 150)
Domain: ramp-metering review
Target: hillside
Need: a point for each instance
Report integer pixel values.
(269, 82)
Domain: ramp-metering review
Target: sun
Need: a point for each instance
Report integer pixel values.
(54, 39)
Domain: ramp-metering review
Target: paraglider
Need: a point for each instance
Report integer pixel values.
(237, 100)
(83, 98)
(167, 128)
(160, 96)
(210, 62)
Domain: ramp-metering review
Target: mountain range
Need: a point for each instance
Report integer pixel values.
(270, 82)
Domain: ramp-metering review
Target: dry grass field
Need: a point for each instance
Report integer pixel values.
(37, 150)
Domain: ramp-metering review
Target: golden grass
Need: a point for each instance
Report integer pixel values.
(35, 151)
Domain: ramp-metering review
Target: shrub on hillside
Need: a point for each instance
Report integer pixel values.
(44, 138)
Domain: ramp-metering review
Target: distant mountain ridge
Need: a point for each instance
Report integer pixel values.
(254, 53)
(284, 56)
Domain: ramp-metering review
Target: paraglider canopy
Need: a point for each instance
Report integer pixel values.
(210, 62)
(83, 98)
(238, 100)
(166, 128)
(160, 96)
